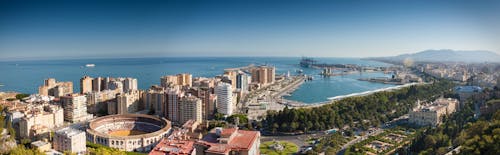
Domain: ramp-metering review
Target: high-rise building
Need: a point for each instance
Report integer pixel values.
(168, 81)
(154, 99)
(75, 107)
(97, 84)
(231, 76)
(208, 102)
(97, 101)
(70, 140)
(173, 97)
(128, 102)
(203, 88)
(242, 82)
(53, 88)
(271, 74)
(116, 85)
(224, 94)
(184, 79)
(50, 82)
(263, 75)
(85, 85)
(105, 83)
(129, 84)
(190, 109)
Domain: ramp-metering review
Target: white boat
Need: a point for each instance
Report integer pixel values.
(90, 65)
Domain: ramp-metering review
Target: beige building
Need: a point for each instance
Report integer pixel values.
(183, 79)
(112, 107)
(172, 111)
(75, 107)
(41, 146)
(190, 109)
(53, 88)
(263, 75)
(97, 84)
(39, 120)
(432, 113)
(168, 81)
(97, 101)
(208, 100)
(154, 99)
(231, 74)
(129, 84)
(70, 140)
(128, 102)
(85, 85)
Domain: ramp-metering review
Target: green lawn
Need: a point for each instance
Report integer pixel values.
(288, 148)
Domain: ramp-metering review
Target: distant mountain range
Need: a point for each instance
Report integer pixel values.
(445, 55)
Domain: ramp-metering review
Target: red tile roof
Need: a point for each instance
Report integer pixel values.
(242, 140)
(173, 147)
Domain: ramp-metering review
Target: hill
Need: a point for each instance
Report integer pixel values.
(445, 55)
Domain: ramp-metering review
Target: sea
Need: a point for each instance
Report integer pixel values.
(27, 75)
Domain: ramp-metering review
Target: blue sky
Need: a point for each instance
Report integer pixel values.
(74, 29)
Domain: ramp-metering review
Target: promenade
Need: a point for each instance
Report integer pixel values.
(270, 97)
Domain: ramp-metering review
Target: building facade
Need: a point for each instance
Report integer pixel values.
(432, 113)
(172, 111)
(242, 82)
(53, 88)
(86, 85)
(154, 100)
(190, 109)
(97, 101)
(263, 75)
(224, 94)
(75, 107)
(229, 141)
(38, 120)
(128, 102)
(70, 140)
(129, 84)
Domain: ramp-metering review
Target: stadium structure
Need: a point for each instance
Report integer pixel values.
(128, 132)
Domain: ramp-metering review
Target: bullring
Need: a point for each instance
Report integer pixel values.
(128, 132)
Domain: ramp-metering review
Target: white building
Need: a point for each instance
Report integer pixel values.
(75, 107)
(432, 113)
(224, 94)
(71, 140)
(39, 120)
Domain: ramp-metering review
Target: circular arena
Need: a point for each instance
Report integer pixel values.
(128, 132)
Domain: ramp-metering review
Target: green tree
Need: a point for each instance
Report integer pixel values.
(11, 130)
(219, 116)
(21, 96)
(21, 150)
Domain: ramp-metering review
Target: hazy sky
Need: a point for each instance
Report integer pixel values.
(72, 29)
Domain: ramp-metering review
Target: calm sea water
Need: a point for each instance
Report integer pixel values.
(26, 76)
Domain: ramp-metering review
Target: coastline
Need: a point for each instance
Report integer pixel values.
(297, 104)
